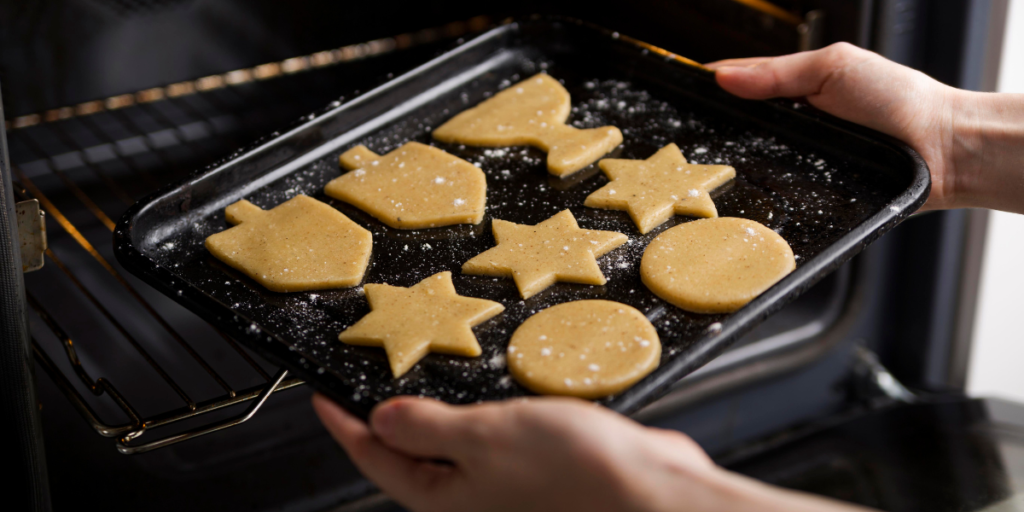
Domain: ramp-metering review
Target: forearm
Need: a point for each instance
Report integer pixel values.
(988, 151)
(754, 496)
(724, 491)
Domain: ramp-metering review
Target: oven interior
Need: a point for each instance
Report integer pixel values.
(108, 100)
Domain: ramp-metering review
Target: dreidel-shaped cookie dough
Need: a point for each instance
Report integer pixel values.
(415, 186)
(301, 244)
(535, 257)
(655, 189)
(532, 112)
(429, 316)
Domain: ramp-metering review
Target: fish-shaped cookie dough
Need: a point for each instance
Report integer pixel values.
(532, 112)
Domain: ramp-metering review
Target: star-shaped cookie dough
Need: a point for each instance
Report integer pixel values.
(538, 256)
(653, 190)
(427, 317)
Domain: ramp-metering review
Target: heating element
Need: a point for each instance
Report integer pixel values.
(133, 361)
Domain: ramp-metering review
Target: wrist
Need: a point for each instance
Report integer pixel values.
(739, 493)
(732, 492)
(707, 487)
(711, 489)
(987, 164)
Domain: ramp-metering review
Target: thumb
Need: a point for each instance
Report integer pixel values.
(789, 76)
(424, 428)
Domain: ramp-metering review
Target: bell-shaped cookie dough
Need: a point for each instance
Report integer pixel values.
(587, 348)
(413, 187)
(301, 244)
(428, 317)
(532, 112)
(715, 265)
(538, 256)
(655, 189)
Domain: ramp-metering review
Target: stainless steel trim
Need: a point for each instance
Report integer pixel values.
(967, 298)
(31, 234)
(811, 30)
(261, 72)
(123, 447)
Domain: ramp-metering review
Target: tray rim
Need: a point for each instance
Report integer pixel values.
(714, 341)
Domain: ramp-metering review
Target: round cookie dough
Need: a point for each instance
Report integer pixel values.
(715, 265)
(588, 349)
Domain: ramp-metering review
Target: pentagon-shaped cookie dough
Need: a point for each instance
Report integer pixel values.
(532, 112)
(653, 190)
(427, 317)
(715, 265)
(415, 186)
(301, 244)
(538, 256)
(588, 348)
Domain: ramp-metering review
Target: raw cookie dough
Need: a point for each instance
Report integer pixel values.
(301, 244)
(587, 348)
(653, 190)
(415, 186)
(532, 112)
(537, 256)
(428, 317)
(715, 265)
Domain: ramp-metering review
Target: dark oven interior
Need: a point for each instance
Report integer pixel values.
(108, 100)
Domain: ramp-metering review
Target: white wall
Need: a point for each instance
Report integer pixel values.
(997, 359)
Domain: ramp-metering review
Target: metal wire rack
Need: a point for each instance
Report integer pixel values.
(86, 164)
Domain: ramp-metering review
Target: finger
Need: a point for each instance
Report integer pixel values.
(743, 63)
(799, 74)
(355, 437)
(404, 478)
(424, 427)
(693, 451)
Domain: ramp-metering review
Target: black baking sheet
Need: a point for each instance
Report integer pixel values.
(828, 187)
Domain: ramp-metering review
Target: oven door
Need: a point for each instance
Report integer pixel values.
(944, 454)
(93, 125)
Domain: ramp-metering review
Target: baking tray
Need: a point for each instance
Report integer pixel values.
(827, 186)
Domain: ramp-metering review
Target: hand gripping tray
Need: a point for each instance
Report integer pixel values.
(827, 186)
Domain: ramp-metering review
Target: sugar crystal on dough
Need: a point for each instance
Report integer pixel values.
(588, 352)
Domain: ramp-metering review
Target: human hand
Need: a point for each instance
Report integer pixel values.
(540, 454)
(971, 141)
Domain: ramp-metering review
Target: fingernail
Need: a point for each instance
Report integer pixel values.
(382, 421)
(727, 69)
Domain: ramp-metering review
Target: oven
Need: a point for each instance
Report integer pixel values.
(113, 395)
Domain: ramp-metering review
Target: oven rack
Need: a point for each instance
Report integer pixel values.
(123, 148)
